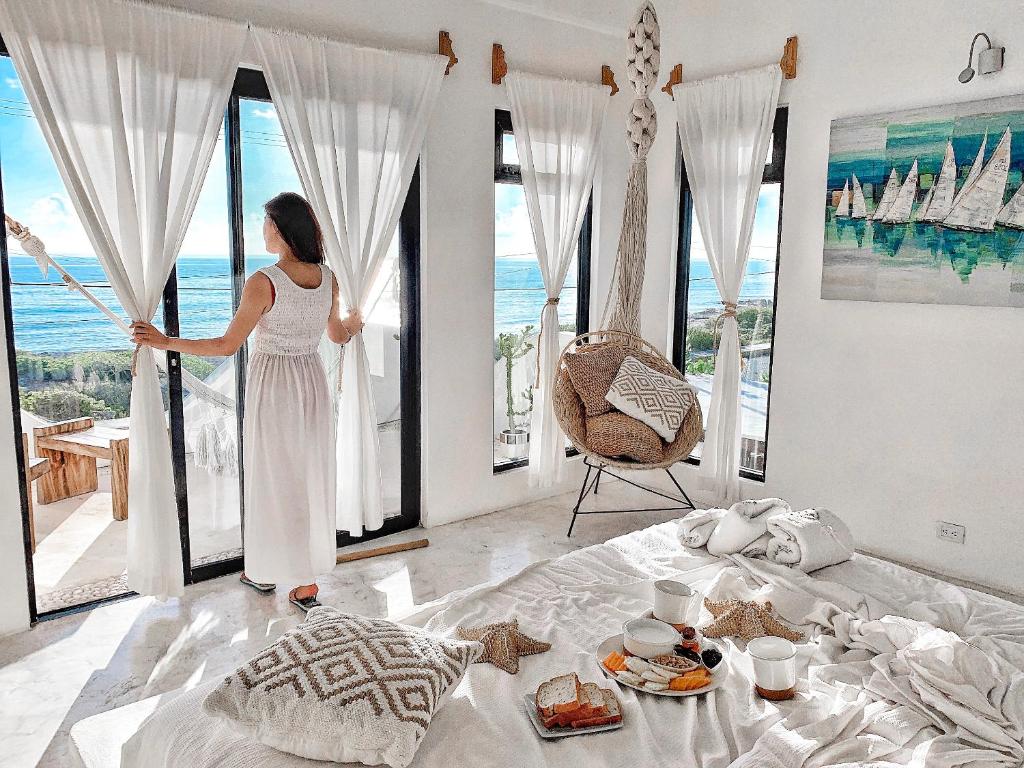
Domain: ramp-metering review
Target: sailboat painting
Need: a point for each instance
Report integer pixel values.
(927, 206)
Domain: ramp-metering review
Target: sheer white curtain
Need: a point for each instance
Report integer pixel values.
(130, 99)
(725, 125)
(557, 125)
(354, 119)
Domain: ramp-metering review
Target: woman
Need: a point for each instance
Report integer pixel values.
(288, 441)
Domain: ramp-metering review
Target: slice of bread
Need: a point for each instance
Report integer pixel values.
(593, 705)
(559, 695)
(612, 707)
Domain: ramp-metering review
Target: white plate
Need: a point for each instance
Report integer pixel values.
(558, 733)
(614, 643)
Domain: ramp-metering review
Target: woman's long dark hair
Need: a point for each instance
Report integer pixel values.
(294, 218)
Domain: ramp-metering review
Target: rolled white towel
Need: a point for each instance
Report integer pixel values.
(743, 524)
(696, 527)
(758, 547)
(809, 540)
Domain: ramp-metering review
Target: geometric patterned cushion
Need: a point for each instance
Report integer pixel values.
(617, 434)
(591, 373)
(659, 401)
(344, 688)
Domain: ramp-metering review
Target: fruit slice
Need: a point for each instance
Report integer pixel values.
(691, 681)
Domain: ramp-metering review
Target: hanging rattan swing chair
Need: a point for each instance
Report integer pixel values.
(571, 415)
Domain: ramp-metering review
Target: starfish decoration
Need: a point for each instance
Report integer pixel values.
(747, 620)
(503, 644)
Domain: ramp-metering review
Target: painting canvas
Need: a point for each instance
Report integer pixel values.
(927, 206)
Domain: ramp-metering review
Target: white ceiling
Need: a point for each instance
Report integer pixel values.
(607, 16)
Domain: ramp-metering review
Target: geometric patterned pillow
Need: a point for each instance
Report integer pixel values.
(344, 688)
(659, 401)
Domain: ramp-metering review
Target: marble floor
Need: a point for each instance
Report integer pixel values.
(64, 670)
(80, 548)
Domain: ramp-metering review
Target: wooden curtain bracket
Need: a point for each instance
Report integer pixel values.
(608, 78)
(498, 66)
(787, 64)
(675, 77)
(444, 48)
(788, 61)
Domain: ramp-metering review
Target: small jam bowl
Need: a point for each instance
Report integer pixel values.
(648, 637)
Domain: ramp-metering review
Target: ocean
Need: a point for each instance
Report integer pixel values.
(50, 319)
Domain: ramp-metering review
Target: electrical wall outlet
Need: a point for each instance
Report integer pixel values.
(951, 532)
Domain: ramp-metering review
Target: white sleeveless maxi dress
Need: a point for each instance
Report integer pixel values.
(288, 439)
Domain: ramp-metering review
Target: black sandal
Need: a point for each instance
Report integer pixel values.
(304, 604)
(261, 588)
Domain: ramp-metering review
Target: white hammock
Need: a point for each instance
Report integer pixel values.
(34, 247)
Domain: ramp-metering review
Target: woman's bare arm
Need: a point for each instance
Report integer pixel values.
(257, 298)
(340, 329)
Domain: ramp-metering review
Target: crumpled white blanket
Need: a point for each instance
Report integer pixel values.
(894, 690)
(808, 540)
(885, 680)
(743, 528)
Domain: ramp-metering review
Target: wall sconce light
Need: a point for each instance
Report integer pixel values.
(990, 59)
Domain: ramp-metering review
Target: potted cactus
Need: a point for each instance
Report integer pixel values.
(515, 437)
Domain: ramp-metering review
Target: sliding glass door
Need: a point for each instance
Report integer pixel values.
(73, 365)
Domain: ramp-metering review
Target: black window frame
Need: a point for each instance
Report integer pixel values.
(508, 173)
(248, 84)
(774, 173)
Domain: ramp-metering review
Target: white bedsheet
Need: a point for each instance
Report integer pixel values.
(870, 694)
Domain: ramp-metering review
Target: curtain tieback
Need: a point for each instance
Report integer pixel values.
(729, 311)
(135, 358)
(540, 335)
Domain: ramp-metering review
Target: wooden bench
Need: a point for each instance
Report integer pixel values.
(34, 469)
(73, 448)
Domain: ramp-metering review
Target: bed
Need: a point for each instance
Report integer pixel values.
(902, 669)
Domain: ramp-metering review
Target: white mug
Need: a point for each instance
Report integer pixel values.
(674, 602)
(774, 661)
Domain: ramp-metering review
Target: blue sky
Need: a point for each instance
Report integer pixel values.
(35, 195)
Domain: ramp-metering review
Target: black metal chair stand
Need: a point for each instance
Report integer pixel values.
(591, 487)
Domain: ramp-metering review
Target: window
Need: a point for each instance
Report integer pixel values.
(698, 304)
(72, 362)
(519, 297)
(267, 170)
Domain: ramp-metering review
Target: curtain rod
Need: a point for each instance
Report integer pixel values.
(499, 68)
(787, 64)
(444, 43)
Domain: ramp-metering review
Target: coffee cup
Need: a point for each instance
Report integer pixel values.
(774, 660)
(675, 602)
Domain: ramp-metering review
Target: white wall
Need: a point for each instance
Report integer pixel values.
(458, 225)
(893, 415)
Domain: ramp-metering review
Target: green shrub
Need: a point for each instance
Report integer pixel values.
(700, 339)
(116, 395)
(61, 403)
(701, 365)
(199, 367)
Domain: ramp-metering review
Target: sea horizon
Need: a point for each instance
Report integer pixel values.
(50, 319)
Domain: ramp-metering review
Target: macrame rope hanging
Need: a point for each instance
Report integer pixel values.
(622, 309)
